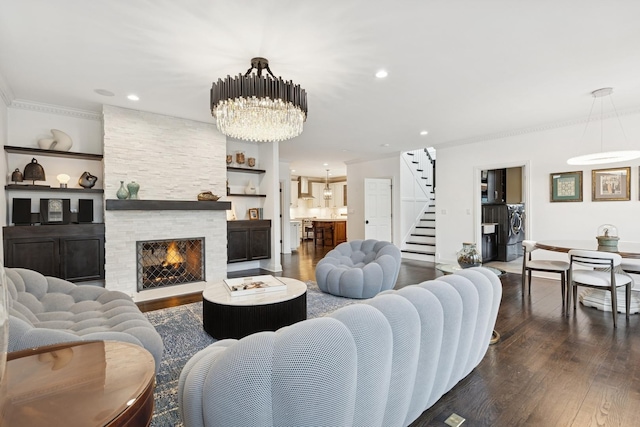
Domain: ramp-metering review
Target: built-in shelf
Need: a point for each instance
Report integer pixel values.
(246, 170)
(18, 187)
(246, 195)
(165, 205)
(52, 153)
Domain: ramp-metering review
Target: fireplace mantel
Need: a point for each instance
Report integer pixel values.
(165, 205)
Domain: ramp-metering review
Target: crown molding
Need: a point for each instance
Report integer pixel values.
(534, 129)
(5, 92)
(55, 109)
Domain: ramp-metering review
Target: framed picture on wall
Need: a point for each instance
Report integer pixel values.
(611, 184)
(566, 186)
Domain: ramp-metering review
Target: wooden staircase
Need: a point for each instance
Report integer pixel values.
(421, 242)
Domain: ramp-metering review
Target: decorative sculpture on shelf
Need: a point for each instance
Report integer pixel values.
(60, 141)
(34, 172)
(16, 176)
(87, 180)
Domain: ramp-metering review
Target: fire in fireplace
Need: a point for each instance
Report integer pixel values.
(170, 262)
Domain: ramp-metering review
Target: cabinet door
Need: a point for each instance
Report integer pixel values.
(340, 232)
(39, 254)
(82, 258)
(237, 245)
(260, 243)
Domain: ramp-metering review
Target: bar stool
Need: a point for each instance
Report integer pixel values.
(318, 234)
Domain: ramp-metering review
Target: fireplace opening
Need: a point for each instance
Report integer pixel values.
(170, 262)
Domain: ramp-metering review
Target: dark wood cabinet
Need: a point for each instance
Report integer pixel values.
(73, 252)
(493, 186)
(248, 240)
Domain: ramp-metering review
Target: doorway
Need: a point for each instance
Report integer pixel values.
(502, 212)
(377, 209)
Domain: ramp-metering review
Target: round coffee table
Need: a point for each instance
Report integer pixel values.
(87, 383)
(226, 316)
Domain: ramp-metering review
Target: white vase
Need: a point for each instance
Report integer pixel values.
(250, 188)
(63, 141)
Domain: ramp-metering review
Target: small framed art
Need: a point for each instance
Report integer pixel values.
(253, 213)
(611, 184)
(566, 186)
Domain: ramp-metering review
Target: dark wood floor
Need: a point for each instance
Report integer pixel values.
(548, 369)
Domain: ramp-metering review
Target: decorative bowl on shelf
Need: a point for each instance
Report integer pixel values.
(207, 196)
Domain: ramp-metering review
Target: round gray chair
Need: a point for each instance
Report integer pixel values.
(359, 268)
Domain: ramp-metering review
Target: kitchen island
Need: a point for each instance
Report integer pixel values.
(331, 232)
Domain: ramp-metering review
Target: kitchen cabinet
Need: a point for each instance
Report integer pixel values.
(317, 189)
(73, 252)
(334, 231)
(248, 240)
(338, 197)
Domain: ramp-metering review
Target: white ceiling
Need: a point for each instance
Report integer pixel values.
(463, 70)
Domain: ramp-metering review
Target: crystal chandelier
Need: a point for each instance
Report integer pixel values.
(327, 193)
(261, 108)
(602, 156)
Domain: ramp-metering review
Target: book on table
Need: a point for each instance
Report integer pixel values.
(254, 285)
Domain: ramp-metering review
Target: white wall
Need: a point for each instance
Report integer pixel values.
(356, 173)
(3, 171)
(544, 152)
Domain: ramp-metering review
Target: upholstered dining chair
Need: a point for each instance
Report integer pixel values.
(548, 266)
(603, 272)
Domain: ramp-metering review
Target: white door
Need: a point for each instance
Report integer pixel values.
(377, 209)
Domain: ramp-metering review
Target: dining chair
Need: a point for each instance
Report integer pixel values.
(603, 272)
(548, 266)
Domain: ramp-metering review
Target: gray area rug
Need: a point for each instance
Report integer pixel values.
(183, 336)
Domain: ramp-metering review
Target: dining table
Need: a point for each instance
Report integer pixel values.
(626, 249)
(597, 298)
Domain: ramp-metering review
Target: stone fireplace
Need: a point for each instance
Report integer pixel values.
(173, 160)
(169, 262)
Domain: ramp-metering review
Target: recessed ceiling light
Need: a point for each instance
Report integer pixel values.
(384, 145)
(104, 92)
(325, 164)
(382, 74)
(423, 133)
(293, 170)
(133, 97)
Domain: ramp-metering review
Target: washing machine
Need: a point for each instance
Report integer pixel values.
(515, 231)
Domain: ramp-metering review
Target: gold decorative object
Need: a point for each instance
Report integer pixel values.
(207, 196)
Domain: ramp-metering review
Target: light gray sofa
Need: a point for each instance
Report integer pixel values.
(359, 268)
(378, 363)
(47, 310)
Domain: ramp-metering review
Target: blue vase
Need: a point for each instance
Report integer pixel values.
(122, 192)
(133, 188)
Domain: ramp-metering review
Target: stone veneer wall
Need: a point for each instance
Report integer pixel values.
(171, 159)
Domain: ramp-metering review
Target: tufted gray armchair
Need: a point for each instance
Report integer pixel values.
(359, 268)
(47, 310)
